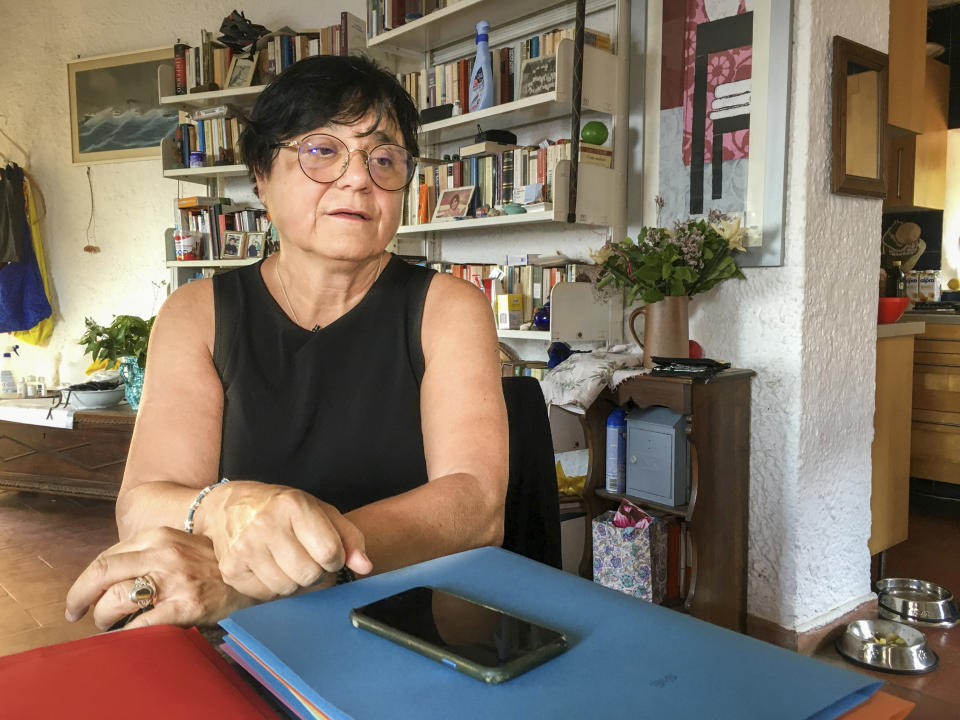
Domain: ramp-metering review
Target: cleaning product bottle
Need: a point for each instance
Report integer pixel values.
(8, 381)
(616, 470)
(481, 79)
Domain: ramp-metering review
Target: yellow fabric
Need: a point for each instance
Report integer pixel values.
(569, 485)
(40, 333)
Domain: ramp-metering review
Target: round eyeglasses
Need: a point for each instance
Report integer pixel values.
(325, 159)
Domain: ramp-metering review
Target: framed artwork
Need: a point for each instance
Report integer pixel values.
(538, 75)
(233, 245)
(115, 112)
(714, 92)
(453, 203)
(241, 70)
(254, 244)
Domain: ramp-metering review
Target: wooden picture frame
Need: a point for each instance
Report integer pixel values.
(241, 71)
(254, 244)
(453, 203)
(859, 97)
(234, 244)
(115, 111)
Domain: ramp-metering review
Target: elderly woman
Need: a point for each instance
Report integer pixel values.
(352, 400)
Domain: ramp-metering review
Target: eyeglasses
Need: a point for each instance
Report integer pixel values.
(325, 159)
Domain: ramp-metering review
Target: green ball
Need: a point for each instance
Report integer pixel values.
(594, 132)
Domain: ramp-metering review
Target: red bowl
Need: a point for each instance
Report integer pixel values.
(891, 308)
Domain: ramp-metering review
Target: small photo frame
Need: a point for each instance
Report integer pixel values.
(233, 245)
(538, 75)
(254, 244)
(241, 70)
(453, 203)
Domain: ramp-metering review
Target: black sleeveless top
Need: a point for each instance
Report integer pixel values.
(334, 412)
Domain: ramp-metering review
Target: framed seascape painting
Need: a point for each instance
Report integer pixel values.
(715, 116)
(115, 112)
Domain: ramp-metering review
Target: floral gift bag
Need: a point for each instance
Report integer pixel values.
(630, 552)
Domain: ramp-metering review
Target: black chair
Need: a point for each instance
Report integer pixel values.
(532, 519)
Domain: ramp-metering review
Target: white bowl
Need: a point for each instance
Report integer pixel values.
(95, 399)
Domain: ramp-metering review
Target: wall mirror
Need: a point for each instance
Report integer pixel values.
(859, 118)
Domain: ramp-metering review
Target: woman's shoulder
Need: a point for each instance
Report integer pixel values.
(189, 311)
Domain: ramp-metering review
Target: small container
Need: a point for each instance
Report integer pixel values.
(31, 386)
(41, 386)
(912, 285)
(896, 281)
(616, 469)
(929, 286)
(196, 159)
(888, 646)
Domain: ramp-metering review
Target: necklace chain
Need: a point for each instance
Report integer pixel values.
(283, 289)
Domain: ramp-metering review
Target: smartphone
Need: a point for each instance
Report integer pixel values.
(478, 640)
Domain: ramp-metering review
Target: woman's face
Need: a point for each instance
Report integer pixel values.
(349, 219)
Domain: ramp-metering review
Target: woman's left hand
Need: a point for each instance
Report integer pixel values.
(183, 569)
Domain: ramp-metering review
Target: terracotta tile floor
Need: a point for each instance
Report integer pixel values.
(46, 541)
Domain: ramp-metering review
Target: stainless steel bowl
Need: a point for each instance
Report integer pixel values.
(928, 624)
(861, 643)
(918, 600)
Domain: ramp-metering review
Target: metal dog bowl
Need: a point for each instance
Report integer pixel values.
(918, 600)
(891, 615)
(873, 644)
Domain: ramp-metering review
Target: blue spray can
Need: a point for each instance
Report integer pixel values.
(616, 470)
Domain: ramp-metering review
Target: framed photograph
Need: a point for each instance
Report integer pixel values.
(716, 75)
(254, 244)
(115, 111)
(241, 70)
(538, 75)
(233, 245)
(453, 203)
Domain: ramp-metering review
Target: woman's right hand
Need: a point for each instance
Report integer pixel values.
(272, 540)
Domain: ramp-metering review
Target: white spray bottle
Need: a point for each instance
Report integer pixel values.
(481, 79)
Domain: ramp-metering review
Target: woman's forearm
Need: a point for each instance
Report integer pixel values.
(153, 504)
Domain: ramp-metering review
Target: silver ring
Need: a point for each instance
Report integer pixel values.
(143, 591)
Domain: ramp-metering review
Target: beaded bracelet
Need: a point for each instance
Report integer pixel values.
(188, 523)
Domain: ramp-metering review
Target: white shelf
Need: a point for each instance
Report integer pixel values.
(524, 334)
(598, 94)
(172, 170)
(211, 263)
(597, 191)
(243, 97)
(455, 22)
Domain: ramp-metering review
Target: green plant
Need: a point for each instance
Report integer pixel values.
(689, 259)
(126, 335)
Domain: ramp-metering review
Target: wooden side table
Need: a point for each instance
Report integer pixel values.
(87, 461)
(718, 427)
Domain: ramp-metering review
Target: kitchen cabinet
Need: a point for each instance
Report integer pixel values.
(917, 164)
(890, 452)
(907, 58)
(935, 436)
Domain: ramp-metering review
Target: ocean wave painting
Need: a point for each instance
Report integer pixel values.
(116, 105)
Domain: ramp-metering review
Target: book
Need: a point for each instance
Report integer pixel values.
(201, 200)
(353, 34)
(485, 148)
(691, 668)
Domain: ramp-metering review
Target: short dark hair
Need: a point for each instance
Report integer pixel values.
(317, 91)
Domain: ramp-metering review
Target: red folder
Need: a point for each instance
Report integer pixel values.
(153, 672)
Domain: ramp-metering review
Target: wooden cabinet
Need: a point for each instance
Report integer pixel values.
(935, 436)
(907, 58)
(890, 451)
(917, 164)
(718, 427)
(87, 461)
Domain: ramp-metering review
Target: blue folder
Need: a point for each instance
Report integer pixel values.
(627, 658)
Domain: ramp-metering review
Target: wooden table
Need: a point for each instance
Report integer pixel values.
(87, 461)
(718, 427)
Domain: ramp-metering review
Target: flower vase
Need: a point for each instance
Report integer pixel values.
(132, 375)
(666, 328)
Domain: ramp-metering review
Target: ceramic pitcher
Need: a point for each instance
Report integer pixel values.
(666, 331)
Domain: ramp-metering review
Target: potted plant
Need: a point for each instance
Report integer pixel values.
(664, 268)
(123, 342)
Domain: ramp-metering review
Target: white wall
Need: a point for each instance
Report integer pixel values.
(808, 328)
(134, 203)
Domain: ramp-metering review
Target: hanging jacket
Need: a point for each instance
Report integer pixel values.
(12, 214)
(23, 301)
(40, 333)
